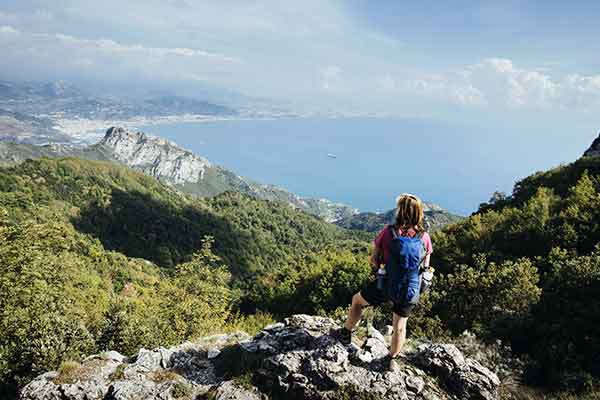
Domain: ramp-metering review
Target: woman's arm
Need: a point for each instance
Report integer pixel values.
(378, 243)
(376, 258)
(428, 250)
(426, 261)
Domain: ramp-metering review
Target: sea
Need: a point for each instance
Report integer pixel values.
(367, 162)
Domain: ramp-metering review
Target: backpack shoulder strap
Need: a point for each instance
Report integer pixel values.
(392, 229)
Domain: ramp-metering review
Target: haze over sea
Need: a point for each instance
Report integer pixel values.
(377, 158)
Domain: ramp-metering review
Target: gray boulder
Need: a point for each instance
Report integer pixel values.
(466, 377)
(229, 390)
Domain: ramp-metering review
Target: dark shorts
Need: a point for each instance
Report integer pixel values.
(376, 297)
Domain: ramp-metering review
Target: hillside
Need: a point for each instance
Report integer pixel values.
(93, 255)
(548, 230)
(60, 112)
(142, 217)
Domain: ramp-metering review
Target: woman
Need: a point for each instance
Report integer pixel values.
(408, 223)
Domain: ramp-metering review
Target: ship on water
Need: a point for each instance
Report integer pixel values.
(331, 155)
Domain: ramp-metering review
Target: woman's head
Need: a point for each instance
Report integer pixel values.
(409, 212)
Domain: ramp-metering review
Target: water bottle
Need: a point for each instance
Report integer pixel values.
(381, 278)
(426, 279)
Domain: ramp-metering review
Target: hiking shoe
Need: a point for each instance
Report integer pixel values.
(392, 364)
(343, 334)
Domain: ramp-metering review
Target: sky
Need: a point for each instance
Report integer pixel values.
(505, 69)
(409, 58)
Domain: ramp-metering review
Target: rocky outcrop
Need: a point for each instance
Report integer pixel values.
(594, 149)
(155, 156)
(296, 359)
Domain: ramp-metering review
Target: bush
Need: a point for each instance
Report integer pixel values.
(565, 336)
(64, 296)
(476, 298)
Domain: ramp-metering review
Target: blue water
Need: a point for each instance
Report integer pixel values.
(456, 166)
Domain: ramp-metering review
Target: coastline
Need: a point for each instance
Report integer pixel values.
(85, 131)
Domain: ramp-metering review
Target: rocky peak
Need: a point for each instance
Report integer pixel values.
(295, 359)
(155, 156)
(594, 149)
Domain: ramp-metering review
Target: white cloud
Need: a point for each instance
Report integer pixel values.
(504, 84)
(441, 88)
(8, 29)
(66, 55)
(110, 46)
(310, 51)
(498, 83)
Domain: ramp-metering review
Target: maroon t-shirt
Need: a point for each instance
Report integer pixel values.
(384, 238)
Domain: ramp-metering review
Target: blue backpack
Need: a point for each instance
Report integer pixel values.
(404, 268)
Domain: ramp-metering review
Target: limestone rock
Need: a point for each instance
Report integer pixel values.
(155, 156)
(230, 391)
(295, 359)
(467, 377)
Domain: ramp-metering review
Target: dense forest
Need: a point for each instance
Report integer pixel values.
(530, 265)
(94, 256)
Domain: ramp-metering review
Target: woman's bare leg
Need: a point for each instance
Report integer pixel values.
(355, 311)
(399, 334)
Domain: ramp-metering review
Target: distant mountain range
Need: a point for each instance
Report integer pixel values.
(29, 111)
(66, 100)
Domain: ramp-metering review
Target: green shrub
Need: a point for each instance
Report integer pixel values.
(181, 390)
(565, 335)
(552, 220)
(473, 298)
